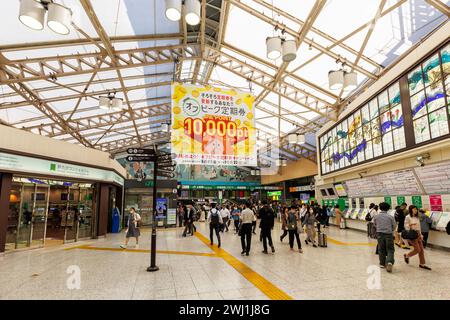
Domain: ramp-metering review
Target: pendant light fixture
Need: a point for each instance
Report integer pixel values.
(193, 8)
(173, 9)
(110, 102)
(273, 47)
(32, 14)
(336, 79)
(59, 18)
(289, 50)
(296, 138)
(350, 81)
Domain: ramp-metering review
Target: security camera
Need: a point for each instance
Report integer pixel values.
(420, 159)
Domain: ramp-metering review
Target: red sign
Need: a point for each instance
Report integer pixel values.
(436, 202)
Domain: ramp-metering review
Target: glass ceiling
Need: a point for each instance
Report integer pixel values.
(67, 74)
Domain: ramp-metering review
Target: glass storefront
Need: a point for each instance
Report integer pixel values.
(43, 210)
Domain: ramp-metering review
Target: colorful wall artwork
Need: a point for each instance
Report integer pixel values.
(378, 127)
(371, 131)
(429, 84)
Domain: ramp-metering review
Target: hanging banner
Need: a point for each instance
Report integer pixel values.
(400, 200)
(212, 126)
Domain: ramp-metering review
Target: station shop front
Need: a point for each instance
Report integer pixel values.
(54, 202)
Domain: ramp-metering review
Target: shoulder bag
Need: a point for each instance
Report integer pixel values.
(410, 234)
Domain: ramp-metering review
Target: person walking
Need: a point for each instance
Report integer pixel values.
(180, 215)
(235, 215)
(267, 217)
(400, 215)
(369, 217)
(214, 220)
(309, 222)
(188, 220)
(225, 213)
(292, 220)
(255, 212)
(284, 214)
(385, 227)
(338, 214)
(412, 223)
(425, 224)
(246, 218)
(134, 220)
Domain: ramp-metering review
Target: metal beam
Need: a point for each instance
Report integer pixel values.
(442, 7)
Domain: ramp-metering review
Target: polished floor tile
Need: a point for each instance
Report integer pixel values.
(346, 269)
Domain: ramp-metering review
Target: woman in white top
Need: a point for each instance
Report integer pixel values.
(412, 222)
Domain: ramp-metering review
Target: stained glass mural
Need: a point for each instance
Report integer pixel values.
(366, 133)
(377, 127)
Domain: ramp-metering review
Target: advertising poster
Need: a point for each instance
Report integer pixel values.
(171, 216)
(212, 126)
(161, 208)
(436, 202)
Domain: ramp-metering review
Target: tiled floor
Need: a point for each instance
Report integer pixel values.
(342, 271)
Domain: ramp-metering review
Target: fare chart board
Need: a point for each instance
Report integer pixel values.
(435, 178)
(213, 126)
(391, 183)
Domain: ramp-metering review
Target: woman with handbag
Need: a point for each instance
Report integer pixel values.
(413, 234)
(134, 223)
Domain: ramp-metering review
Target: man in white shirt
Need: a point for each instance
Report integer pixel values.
(247, 218)
(225, 213)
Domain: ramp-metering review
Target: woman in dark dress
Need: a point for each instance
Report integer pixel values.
(133, 228)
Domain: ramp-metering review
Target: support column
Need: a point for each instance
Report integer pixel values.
(102, 224)
(5, 190)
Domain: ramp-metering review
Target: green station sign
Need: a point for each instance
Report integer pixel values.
(274, 193)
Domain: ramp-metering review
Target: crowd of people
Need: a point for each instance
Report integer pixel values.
(408, 228)
(295, 219)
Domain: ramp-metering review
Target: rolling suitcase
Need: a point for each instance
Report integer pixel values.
(322, 239)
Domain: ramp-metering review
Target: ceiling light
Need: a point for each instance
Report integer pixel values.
(336, 79)
(116, 104)
(350, 81)
(103, 103)
(192, 12)
(289, 49)
(32, 14)
(173, 10)
(296, 138)
(59, 18)
(273, 45)
(165, 127)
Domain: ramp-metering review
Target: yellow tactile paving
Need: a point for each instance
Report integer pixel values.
(201, 254)
(340, 243)
(266, 287)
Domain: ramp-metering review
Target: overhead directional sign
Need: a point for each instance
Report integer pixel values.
(165, 157)
(166, 174)
(166, 163)
(140, 151)
(163, 170)
(171, 168)
(146, 158)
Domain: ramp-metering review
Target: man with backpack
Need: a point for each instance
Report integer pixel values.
(267, 217)
(371, 232)
(215, 221)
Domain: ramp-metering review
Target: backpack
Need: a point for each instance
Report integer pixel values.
(292, 222)
(214, 216)
(369, 216)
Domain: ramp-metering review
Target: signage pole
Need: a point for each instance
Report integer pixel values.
(153, 266)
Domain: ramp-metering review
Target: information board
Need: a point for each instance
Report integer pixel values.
(340, 189)
(417, 201)
(213, 126)
(400, 200)
(171, 216)
(435, 178)
(436, 202)
(397, 182)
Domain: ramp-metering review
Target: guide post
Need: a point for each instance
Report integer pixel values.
(153, 266)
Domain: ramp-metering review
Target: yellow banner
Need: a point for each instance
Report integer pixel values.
(212, 126)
